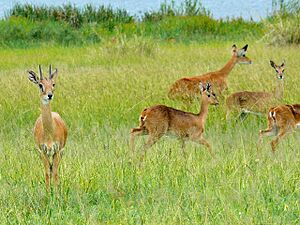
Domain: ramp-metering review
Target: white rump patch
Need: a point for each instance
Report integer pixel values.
(272, 115)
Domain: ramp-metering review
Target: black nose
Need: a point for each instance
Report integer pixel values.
(50, 96)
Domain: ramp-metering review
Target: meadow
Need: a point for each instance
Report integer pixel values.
(101, 90)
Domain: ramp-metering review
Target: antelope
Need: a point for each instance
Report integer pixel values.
(50, 132)
(281, 120)
(257, 102)
(187, 88)
(159, 120)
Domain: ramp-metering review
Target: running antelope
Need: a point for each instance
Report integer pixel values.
(50, 132)
(160, 120)
(187, 88)
(257, 102)
(281, 120)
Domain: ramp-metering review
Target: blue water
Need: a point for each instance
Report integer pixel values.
(247, 9)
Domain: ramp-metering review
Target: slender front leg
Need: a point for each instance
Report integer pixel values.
(46, 163)
(202, 141)
(56, 162)
(183, 146)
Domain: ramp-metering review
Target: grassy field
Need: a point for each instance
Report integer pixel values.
(100, 93)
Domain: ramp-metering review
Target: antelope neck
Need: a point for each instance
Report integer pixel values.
(228, 66)
(204, 109)
(279, 89)
(47, 119)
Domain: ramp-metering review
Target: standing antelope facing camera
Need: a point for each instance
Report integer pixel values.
(159, 120)
(187, 88)
(257, 102)
(50, 132)
(281, 120)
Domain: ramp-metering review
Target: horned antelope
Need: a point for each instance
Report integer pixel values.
(159, 120)
(281, 120)
(257, 102)
(50, 132)
(187, 88)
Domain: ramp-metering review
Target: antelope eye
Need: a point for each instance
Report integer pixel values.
(53, 85)
(244, 55)
(214, 94)
(41, 87)
(208, 95)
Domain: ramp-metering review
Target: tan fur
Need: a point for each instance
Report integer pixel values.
(257, 102)
(281, 120)
(159, 120)
(50, 132)
(187, 88)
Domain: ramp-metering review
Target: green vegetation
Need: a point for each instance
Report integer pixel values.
(100, 94)
(283, 27)
(30, 26)
(27, 25)
(111, 66)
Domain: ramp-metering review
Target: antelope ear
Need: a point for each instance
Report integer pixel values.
(33, 77)
(242, 51)
(201, 87)
(272, 64)
(208, 86)
(234, 48)
(283, 63)
(245, 48)
(54, 75)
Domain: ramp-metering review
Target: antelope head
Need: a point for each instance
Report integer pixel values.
(279, 69)
(240, 55)
(207, 93)
(46, 85)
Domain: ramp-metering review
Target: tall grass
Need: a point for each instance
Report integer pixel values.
(100, 94)
(283, 27)
(74, 16)
(27, 25)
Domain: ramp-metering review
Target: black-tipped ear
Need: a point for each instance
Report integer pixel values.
(245, 47)
(234, 48)
(283, 63)
(201, 87)
(208, 86)
(272, 64)
(33, 77)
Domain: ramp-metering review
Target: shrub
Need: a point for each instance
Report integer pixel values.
(283, 27)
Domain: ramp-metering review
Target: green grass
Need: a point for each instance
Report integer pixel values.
(100, 93)
(31, 26)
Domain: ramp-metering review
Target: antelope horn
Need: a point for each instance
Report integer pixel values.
(50, 71)
(41, 74)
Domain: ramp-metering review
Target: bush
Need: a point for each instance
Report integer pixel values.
(283, 27)
(68, 25)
